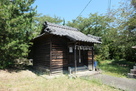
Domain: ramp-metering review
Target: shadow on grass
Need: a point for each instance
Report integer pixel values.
(37, 72)
(15, 69)
(23, 68)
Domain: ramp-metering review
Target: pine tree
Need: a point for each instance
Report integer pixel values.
(16, 17)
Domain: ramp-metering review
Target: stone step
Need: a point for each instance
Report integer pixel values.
(134, 67)
(82, 68)
(130, 75)
(79, 69)
(133, 71)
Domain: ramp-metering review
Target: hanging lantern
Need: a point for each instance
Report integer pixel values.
(70, 49)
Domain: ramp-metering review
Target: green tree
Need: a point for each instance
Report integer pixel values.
(16, 17)
(39, 19)
(125, 28)
(133, 2)
(98, 25)
(117, 29)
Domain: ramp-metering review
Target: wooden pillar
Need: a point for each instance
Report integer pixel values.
(92, 58)
(75, 59)
(79, 54)
(50, 55)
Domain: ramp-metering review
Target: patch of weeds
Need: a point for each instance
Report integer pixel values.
(99, 83)
(118, 68)
(92, 80)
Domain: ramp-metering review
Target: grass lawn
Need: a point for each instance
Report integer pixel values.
(116, 68)
(26, 80)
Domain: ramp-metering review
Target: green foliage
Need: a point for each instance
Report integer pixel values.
(126, 34)
(39, 20)
(16, 30)
(19, 23)
(117, 29)
(118, 68)
(97, 25)
(133, 2)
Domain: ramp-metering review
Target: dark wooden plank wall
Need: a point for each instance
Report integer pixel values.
(51, 52)
(59, 57)
(71, 62)
(42, 53)
(84, 57)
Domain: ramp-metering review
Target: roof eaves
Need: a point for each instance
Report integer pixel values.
(38, 36)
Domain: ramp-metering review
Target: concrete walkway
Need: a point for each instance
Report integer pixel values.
(121, 83)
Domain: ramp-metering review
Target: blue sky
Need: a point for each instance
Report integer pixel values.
(70, 9)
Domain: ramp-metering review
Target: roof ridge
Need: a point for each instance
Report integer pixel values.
(94, 37)
(61, 26)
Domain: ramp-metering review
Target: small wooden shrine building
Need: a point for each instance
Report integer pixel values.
(59, 47)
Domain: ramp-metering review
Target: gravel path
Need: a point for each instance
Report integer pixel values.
(121, 83)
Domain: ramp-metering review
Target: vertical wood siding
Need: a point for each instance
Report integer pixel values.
(59, 54)
(42, 53)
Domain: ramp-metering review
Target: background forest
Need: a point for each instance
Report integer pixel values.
(19, 23)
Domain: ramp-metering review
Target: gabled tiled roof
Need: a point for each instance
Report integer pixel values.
(69, 32)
